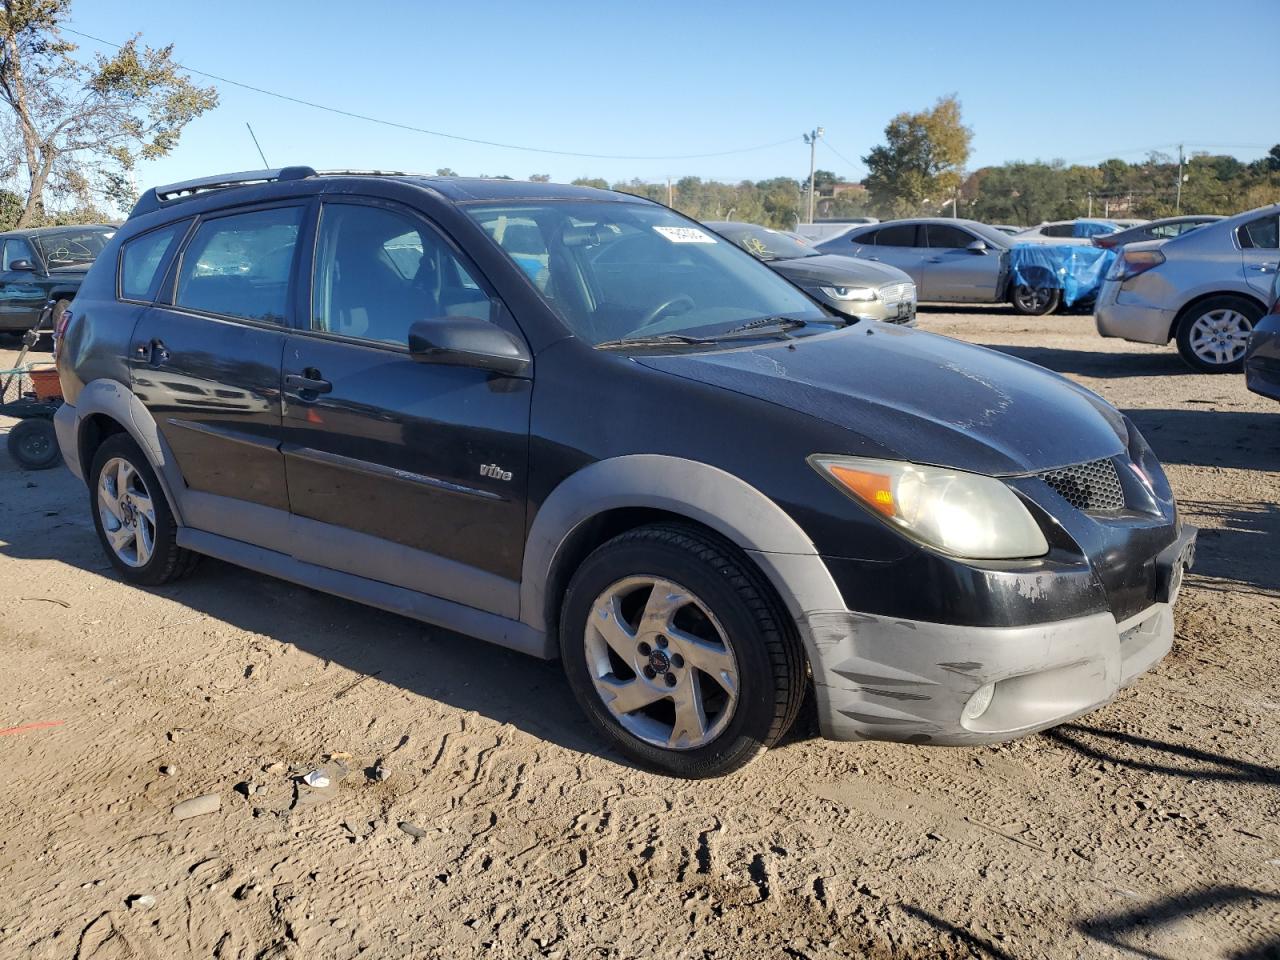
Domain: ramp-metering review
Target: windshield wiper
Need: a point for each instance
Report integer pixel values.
(783, 324)
(656, 339)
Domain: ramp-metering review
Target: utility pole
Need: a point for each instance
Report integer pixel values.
(1177, 203)
(811, 139)
(1090, 213)
(668, 191)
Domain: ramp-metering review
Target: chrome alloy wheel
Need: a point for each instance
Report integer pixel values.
(127, 512)
(1220, 337)
(661, 663)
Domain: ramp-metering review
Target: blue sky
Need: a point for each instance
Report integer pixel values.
(1112, 79)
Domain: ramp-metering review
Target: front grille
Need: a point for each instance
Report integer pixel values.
(893, 292)
(1093, 486)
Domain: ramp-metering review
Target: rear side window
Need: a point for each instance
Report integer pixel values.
(1263, 232)
(1058, 230)
(900, 235)
(140, 260)
(239, 266)
(867, 239)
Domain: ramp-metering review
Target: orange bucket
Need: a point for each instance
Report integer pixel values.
(45, 383)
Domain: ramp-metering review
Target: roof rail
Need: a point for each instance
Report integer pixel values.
(157, 197)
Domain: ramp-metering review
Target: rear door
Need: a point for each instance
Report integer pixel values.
(954, 272)
(900, 245)
(410, 473)
(206, 358)
(1260, 252)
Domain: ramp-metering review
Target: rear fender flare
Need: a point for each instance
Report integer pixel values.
(115, 400)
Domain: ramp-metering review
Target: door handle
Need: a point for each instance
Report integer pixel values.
(309, 381)
(1264, 267)
(153, 352)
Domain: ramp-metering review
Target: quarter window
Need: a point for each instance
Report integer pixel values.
(900, 235)
(378, 272)
(140, 260)
(1262, 232)
(238, 266)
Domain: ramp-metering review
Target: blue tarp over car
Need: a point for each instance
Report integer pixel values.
(1078, 271)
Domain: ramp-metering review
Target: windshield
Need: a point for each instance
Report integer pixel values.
(763, 243)
(614, 270)
(65, 247)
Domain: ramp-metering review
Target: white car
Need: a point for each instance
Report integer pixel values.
(1205, 289)
(1078, 232)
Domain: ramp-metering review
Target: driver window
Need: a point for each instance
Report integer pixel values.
(16, 250)
(377, 272)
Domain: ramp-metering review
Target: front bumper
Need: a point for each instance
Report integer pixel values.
(882, 678)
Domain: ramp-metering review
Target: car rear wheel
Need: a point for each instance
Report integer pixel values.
(1213, 336)
(679, 653)
(1034, 301)
(132, 516)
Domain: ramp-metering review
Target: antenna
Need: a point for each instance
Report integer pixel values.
(258, 145)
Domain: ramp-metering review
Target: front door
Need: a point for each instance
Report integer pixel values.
(954, 272)
(1260, 251)
(22, 296)
(206, 363)
(410, 473)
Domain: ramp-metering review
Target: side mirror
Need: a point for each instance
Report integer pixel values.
(24, 265)
(468, 342)
(978, 246)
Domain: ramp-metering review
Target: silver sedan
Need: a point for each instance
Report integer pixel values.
(950, 260)
(1204, 289)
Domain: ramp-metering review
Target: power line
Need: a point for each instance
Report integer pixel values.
(439, 133)
(850, 163)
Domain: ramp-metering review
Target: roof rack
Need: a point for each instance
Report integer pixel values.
(157, 197)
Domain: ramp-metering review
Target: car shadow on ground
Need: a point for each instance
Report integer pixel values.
(1120, 928)
(463, 672)
(1160, 756)
(1212, 438)
(1100, 363)
(1236, 544)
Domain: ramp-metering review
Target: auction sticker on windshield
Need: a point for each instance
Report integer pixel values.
(685, 235)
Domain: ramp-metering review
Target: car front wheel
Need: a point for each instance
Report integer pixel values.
(679, 653)
(1034, 301)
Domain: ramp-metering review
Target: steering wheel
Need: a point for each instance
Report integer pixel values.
(656, 313)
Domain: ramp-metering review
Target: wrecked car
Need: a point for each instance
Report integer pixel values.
(577, 424)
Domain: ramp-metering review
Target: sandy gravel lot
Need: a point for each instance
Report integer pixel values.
(1150, 828)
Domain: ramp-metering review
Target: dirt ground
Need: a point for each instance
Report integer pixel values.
(1150, 828)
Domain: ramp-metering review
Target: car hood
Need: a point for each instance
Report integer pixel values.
(905, 394)
(839, 270)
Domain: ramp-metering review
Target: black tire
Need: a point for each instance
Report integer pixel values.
(1034, 301)
(33, 443)
(168, 561)
(1249, 312)
(766, 648)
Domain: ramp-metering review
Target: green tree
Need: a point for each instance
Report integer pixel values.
(597, 182)
(921, 160)
(81, 127)
(445, 172)
(824, 181)
(539, 178)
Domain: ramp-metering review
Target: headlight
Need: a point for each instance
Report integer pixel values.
(964, 514)
(851, 293)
